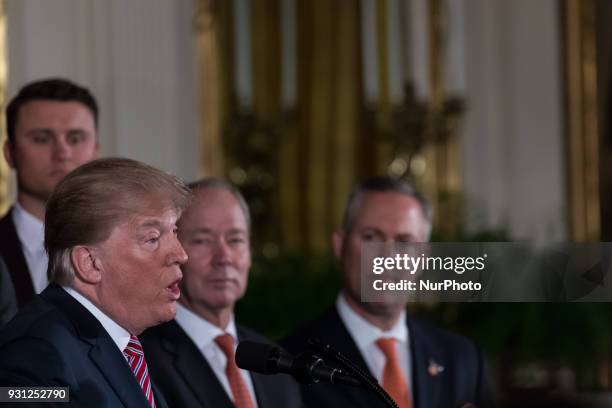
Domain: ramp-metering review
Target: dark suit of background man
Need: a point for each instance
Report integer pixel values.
(8, 303)
(192, 357)
(51, 126)
(418, 364)
(114, 264)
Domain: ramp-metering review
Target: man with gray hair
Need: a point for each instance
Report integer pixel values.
(418, 364)
(114, 267)
(192, 357)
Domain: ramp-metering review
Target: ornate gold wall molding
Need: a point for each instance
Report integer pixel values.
(209, 20)
(420, 139)
(582, 120)
(445, 155)
(5, 172)
(296, 164)
(329, 113)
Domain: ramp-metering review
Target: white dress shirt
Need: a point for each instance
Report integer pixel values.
(365, 335)
(31, 233)
(203, 335)
(120, 336)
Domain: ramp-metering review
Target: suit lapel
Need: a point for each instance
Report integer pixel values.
(103, 350)
(336, 334)
(260, 382)
(12, 253)
(425, 382)
(113, 366)
(193, 368)
(426, 362)
(160, 401)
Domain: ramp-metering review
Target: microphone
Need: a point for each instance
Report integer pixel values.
(306, 367)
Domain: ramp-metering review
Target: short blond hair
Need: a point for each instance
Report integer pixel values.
(96, 197)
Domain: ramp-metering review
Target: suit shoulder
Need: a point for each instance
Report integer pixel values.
(319, 327)
(6, 217)
(155, 332)
(281, 390)
(443, 339)
(246, 333)
(7, 233)
(158, 339)
(31, 361)
(37, 318)
(6, 223)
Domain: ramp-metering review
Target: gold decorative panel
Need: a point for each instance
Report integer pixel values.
(296, 149)
(582, 120)
(5, 172)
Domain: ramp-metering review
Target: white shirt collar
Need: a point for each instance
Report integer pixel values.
(31, 234)
(120, 336)
(363, 332)
(203, 334)
(200, 330)
(31, 230)
(365, 335)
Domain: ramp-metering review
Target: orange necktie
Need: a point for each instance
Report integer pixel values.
(242, 398)
(393, 380)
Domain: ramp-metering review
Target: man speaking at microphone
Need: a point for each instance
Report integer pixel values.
(192, 357)
(418, 364)
(110, 232)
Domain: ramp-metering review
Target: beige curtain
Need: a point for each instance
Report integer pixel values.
(297, 164)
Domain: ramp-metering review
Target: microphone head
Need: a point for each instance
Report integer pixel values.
(306, 367)
(258, 357)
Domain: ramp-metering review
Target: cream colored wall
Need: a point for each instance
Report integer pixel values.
(137, 58)
(513, 154)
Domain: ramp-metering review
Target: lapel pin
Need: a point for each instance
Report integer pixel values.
(434, 368)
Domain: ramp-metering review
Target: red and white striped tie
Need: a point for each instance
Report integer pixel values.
(138, 364)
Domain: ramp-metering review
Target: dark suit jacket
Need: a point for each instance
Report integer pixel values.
(11, 251)
(55, 341)
(460, 382)
(187, 380)
(8, 301)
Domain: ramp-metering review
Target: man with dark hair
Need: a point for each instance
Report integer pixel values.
(51, 126)
(114, 266)
(192, 357)
(418, 364)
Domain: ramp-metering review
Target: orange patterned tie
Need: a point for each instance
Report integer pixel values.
(242, 398)
(393, 380)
